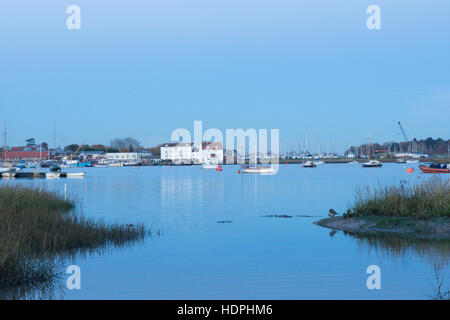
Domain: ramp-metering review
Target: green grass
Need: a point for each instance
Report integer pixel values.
(38, 228)
(428, 199)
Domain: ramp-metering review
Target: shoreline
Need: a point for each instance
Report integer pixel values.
(406, 227)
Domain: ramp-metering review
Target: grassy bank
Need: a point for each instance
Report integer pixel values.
(420, 211)
(430, 198)
(37, 226)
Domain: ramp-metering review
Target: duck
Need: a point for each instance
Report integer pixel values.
(332, 213)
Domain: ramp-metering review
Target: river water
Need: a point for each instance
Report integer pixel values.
(250, 256)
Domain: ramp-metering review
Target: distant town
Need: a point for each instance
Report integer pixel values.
(128, 151)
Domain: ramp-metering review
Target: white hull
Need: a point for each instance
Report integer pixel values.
(309, 164)
(260, 170)
(372, 164)
(76, 175)
(412, 161)
(116, 164)
(8, 174)
(209, 166)
(51, 175)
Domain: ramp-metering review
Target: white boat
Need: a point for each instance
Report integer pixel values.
(76, 174)
(309, 164)
(6, 169)
(372, 164)
(412, 161)
(130, 163)
(116, 164)
(210, 165)
(318, 162)
(101, 165)
(8, 174)
(259, 169)
(52, 175)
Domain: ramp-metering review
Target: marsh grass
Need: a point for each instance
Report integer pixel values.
(428, 199)
(38, 228)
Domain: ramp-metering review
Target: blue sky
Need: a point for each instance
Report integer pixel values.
(143, 69)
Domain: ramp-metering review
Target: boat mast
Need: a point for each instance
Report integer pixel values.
(368, 147)
(4, 140)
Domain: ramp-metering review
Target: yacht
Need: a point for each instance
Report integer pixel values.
(372, 164)
(309, 164)
(269, 170)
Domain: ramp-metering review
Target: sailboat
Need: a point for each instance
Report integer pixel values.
(371, 163)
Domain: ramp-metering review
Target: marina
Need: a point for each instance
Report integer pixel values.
(251, 257)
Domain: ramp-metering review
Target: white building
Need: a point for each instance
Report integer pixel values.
(211, 152)
(183, 152)
(177, 152)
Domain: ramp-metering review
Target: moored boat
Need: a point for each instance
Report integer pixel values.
(75, 174)
(259, 169)
(116, 164)
(8, 174)
(434, 168)
(309, 164)
(372, 164)
(52, 175)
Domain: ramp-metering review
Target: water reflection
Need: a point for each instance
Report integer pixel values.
(436, 252)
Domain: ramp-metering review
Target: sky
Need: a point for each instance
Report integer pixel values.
(145, 68)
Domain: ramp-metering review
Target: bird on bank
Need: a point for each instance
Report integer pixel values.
(332, 213)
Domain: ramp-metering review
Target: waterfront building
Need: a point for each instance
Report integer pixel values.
(128, 156)
(186, 152)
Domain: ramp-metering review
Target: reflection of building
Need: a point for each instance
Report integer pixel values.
(186, 152)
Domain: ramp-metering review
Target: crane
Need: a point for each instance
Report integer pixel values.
(403, 132)
(411, 145)
(76, 151)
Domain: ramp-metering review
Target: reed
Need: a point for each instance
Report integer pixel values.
(38, 228)
(428, 199)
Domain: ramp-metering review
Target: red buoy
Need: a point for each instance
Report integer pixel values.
(219, 168)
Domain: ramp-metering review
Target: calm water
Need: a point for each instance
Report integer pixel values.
(253, 257)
